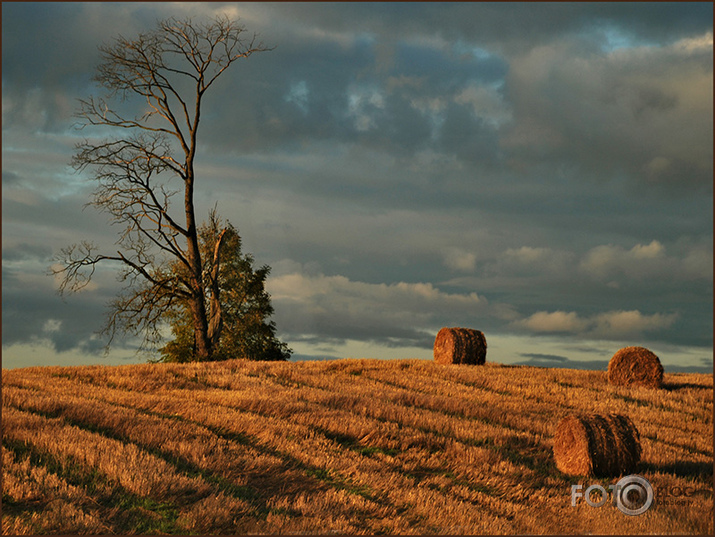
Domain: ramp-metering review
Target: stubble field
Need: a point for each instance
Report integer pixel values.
(348, 446)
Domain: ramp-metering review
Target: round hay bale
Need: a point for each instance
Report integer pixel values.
(597, 445)
(635, 366)
(460, 346)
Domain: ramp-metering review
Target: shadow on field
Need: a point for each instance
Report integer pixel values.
(528, 452)
(673, 386)
(701, 470)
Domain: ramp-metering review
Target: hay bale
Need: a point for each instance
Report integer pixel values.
(635, 366)
(460, 346)
(597, 445)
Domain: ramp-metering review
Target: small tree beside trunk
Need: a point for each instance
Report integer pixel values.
(150, 159)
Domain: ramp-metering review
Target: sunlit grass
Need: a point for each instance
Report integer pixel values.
(350, 446)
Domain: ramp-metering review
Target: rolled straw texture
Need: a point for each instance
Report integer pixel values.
(460, 346)
(597, 445)
(635, 366)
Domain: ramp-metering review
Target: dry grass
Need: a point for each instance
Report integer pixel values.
(350, 446)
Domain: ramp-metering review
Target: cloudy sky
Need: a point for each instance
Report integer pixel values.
(541, 172)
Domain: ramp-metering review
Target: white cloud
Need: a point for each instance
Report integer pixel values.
(539, 258)
(400, 296)
(460, 260)
(557, 321)
(608, 325)
(618, 323)
(648, 251)
(487, 103)
(361, 101)
(532, 261)
(298, 94)
(700, 43)
(527, 254)
(698, 264)
(647, 261)
(52, 325)
(607, 260)
(337, 307)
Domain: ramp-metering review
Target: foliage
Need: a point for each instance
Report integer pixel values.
(245, 306)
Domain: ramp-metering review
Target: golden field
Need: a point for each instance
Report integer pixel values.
(347, 446)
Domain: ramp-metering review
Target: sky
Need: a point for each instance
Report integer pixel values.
(540, 172)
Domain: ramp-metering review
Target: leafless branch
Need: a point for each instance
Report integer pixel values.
(166, 70)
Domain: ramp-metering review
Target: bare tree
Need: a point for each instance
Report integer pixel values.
(168, 70)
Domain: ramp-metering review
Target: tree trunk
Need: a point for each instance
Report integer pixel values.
(202, 341)
(204, 350)
(215, 324)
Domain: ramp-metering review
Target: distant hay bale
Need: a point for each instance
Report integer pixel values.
(460, 346)
(597, 445)
(635, 366)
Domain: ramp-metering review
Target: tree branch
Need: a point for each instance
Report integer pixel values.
(166, 72)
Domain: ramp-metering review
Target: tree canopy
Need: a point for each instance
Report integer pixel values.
(244, 306)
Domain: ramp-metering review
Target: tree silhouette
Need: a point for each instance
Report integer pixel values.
(150, 159)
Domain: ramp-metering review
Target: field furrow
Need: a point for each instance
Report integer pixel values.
(38, 500)
(356, 446)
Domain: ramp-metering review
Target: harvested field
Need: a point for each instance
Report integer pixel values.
(348, 446)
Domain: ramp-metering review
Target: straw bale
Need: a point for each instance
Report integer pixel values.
(460, 346)
(596, 445)
(635, 366)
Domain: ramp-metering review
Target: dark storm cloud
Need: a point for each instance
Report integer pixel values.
(48, 63)
(446, 70)
(530, 153)
(631, 112)
(10, 178)
(325, 70)
(594, 365)
(468, 137)
(33, 312)
(53, 221)
(315, 91)
(26, 251)
(562, 362)
(602, 365)
(501, 20)
(593, 125)
(544, 357)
